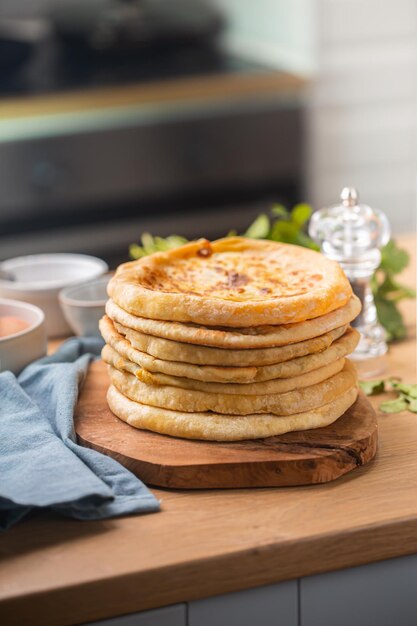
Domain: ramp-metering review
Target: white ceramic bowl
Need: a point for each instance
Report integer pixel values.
(83, 305)
(38, 279)
(21, 348)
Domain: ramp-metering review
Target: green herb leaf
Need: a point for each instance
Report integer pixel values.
(412, 405)
(286, 232)
(148, 243)
(372, 387)
(408, 390)
(175, 241)
(393, 259)
(305, 241)
(161, 244)
(259, 229)
(154, 244)
(289, 227)
(390, 287)
(301, 213)
(136, 252)
(394, 406)
(387, 291)
(405, 400)
(390, 318)
(279, 210)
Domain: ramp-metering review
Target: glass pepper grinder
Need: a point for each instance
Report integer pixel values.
(352, 234)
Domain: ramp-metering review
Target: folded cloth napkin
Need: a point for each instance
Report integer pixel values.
(41, 465)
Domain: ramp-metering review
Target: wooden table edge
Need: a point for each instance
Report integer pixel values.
(201, 578)
(187, 89)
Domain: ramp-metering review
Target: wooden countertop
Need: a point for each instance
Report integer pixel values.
(206, 89)
(58, 571)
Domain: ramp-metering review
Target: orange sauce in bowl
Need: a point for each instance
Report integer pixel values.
(10, 325)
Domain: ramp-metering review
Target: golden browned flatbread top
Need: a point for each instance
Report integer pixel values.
(231, 282)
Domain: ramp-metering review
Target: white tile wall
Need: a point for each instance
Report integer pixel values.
(362, 109)
(362, 113)
(361, 20)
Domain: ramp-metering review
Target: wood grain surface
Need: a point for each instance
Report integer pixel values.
(202, 543)
(300, 458)
(193, 89)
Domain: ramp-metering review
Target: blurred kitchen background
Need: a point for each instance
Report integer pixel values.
(191, 117)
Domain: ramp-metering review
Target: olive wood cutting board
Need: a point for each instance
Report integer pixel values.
(298, 458)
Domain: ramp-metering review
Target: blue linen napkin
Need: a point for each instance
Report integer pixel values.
(41, 465)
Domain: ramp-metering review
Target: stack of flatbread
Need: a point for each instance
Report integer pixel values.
(229, 340)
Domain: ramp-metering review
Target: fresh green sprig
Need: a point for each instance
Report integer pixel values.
(372, 387)
(406, 399)
(287, 227)
(388, 291)
(152, 244)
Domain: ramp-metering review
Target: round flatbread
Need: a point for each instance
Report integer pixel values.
(234, 281)
(211, 373)
(279, 385)
(251, 337)
(202, 355)
(191, 401)
(216, 427)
